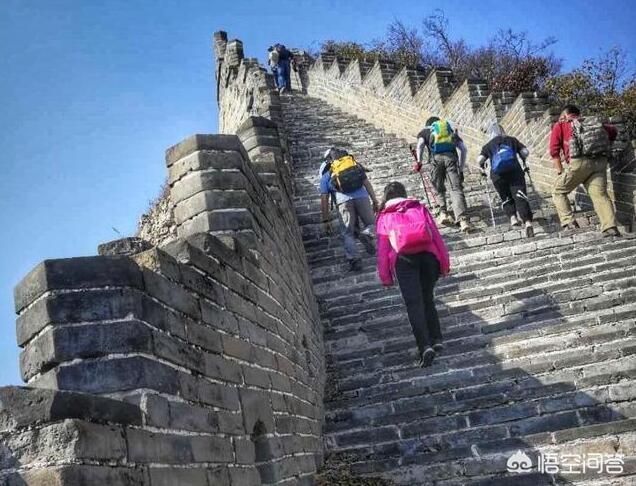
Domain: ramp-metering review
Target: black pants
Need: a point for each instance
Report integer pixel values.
(511, 187)
(417, 275)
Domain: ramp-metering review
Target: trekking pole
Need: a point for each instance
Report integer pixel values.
(428, 201)
(492, 214)
(526, 171)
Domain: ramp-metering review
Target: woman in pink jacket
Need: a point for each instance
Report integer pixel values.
(411, 248)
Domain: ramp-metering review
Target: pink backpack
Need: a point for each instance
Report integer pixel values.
(410, 232)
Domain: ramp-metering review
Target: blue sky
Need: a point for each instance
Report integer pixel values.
(92, 93)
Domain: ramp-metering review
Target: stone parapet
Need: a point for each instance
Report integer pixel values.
(199, 361)
(400, 100)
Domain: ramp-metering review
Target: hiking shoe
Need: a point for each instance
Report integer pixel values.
(514, 221)
(529, 230)
(427, 357)
(438, 347)
(611, 232)
(569, 228)
(444, 218)
(355, 265)
(465, 226)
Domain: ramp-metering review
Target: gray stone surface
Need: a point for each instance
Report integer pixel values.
(198, 142)
(76, 273)
(123, 247)
(22, 407)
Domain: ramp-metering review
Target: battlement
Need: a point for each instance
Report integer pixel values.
(400, 100)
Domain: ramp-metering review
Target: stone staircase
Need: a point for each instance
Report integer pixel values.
(539, 335)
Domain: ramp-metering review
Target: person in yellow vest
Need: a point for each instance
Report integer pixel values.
(442, 143)
(344, 182)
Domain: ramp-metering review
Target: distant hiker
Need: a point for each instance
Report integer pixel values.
(440, 142)
(344, 182)
(285, 58)
(272, 61)
(410, 246)
(584, 145)
(507, 175)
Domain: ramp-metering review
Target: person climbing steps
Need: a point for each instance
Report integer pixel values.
(507, 175)
(410, 246)
(442, 142)
(344, 182)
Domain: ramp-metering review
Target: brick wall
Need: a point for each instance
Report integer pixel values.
(400, 101)
(197, 362)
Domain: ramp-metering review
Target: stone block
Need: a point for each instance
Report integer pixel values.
(149, 447)
(22, 407)
(244, 476)
(82, 306)
(260, 139)
(237, 348)
(202, 142)
(204, 160)
(204, 336)
(256, 377)
(244, 451)
(187, 253)
(112, 375)
(218, 395)
(77, 475)
(219, 476)
(170, 476)
(66, 343)
(128, 246)
(222, 247)
(222, 368)
(164, 318)
(209, 201)
(68, 440)
(256, 123)
(230, 422)
(221, 220)
(156, 410)
(76, 273)
(184, 416)
(200, 283)
(178, 352)
(212, 180)
(171, 294)
(159, 262)
(256, 408)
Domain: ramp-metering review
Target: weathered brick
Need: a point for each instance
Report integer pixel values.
(76, 273)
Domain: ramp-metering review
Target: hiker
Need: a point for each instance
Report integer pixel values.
(272, 60)
(584, 145)
(344, 182)
(410, 246)
(507, 175)
(285, 58)
(441, 143)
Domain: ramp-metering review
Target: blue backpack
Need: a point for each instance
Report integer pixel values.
(504, 159)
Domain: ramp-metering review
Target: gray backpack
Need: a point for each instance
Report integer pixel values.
(589, 138)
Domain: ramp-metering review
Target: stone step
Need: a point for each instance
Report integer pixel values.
(560, 366)
(488, 256)
(539, 334)
(483, 463)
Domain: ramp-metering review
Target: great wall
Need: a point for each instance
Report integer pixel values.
(229, 346)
